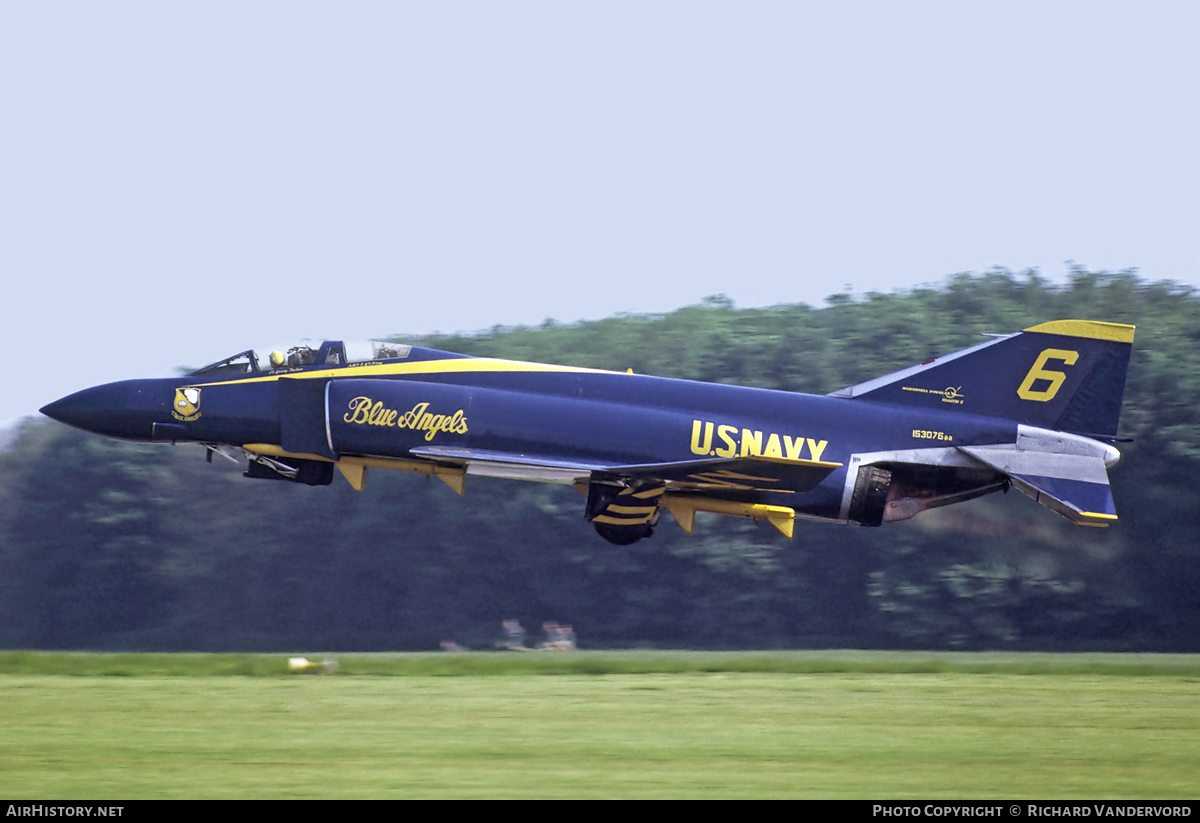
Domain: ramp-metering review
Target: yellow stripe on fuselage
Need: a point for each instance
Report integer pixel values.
(452, 366)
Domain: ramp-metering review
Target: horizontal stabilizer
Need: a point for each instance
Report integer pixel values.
(1086, 504)
(1075, 486)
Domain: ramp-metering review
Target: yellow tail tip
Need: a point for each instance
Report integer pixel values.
(1093, 329)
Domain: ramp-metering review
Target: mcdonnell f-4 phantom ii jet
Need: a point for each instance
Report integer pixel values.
(1036, 410)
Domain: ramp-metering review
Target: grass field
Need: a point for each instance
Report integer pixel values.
(635, 724)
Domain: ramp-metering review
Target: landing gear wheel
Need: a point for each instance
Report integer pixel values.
(623, 535)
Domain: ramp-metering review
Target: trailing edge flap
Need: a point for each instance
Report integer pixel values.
(1075, 486)
(730, 474)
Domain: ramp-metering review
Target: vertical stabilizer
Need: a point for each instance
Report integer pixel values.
(1067, 375)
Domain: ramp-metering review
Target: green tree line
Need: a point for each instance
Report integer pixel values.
(107, 545)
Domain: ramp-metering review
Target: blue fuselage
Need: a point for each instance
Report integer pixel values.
(435, 399)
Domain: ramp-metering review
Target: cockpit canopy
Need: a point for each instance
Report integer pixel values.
(328, 353)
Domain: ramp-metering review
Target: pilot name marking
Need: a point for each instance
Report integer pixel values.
(368, 412)
(739, 442)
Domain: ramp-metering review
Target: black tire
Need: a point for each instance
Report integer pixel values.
(623, 535)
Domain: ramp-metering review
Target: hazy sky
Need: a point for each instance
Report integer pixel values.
(182, 181)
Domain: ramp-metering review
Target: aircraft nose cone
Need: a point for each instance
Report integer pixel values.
(64, 411)
(126, 410)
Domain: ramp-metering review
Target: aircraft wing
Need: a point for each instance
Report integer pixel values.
(629, 496)
(731, 474)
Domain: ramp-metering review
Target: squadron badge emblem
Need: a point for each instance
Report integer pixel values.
(187, 404)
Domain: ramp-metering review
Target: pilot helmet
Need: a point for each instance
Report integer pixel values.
(277, 359)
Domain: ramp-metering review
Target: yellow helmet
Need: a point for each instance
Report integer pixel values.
(277, 359)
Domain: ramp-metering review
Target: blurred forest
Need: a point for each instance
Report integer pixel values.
(107, 545)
